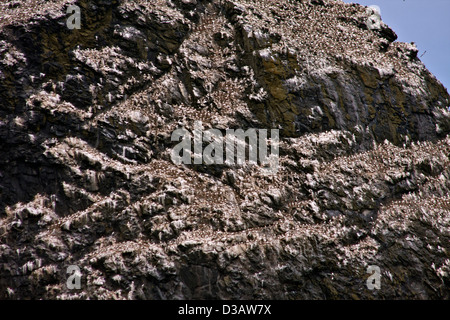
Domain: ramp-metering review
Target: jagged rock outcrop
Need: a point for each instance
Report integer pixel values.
(86, 177)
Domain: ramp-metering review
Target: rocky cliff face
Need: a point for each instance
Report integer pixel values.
(86, 178)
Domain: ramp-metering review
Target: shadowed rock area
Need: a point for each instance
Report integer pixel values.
(86, 176)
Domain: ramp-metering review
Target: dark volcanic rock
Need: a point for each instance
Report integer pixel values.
(86, 178)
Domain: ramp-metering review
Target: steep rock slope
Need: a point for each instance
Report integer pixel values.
(86, 176)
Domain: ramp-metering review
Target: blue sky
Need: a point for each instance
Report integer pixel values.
(427, 23)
